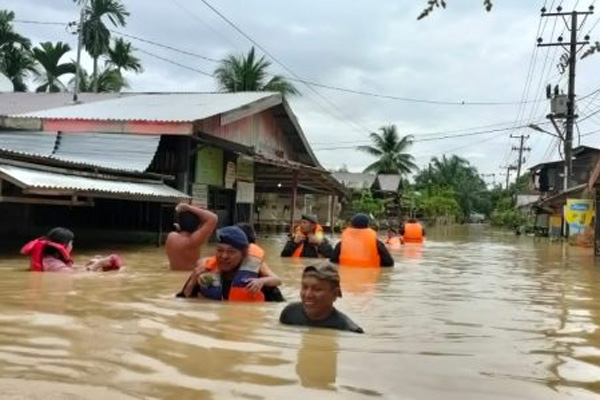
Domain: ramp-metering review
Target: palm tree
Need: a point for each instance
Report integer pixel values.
(96, 36)
(48, 56)
(448, 171)
(108, 80)
(120, 56)
(15, 57)
(390, 150)
(246, 73)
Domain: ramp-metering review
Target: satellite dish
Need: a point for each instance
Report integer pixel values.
(6, 86)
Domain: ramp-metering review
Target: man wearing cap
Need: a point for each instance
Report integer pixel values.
(319, 290)
(307, 240)
(194, 226)
(360, 247)
(237, 272)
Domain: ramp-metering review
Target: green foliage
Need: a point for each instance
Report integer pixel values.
(431, 4)
(365, 203)
(440, 202)
(16, 61)
(391, 151)
(247, 73)
(50, 69)
(455, 176)
(96, 35)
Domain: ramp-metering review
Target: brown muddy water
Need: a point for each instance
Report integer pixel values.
(473, 314)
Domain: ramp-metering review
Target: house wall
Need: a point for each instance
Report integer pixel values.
(260, 131)
(273, 209)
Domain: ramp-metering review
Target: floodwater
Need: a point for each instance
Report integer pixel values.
(473, 314)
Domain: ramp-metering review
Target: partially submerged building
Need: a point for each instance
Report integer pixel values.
(118, 164)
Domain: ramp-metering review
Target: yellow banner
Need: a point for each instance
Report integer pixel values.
(579, 214)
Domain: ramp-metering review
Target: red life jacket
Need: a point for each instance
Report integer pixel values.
(35, 250)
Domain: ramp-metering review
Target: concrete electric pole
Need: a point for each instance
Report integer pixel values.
(571, 48)
(521, 149)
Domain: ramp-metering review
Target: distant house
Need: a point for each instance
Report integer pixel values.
(548, 182)
(355, 181)
(382, 186)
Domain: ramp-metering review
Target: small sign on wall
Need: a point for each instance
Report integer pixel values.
(245, 169)
(200, 195)
(230, 175)
(245, 193)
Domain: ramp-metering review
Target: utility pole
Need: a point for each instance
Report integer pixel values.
(572, 50)
(521, 149)
(508, 169)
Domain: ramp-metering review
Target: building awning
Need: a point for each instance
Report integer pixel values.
(54, 183)
(561, 198)
(275, 175)
(117, 152)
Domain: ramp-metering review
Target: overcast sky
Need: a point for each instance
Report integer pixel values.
(461, 54)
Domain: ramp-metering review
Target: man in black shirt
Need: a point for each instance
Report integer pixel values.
(307, 240)
(320, 289)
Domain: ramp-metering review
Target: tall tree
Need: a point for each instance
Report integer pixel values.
(120, 56)
(391, 151)
(48, 56)
(247, 73)
(108, 80)
(15, 56)
(96, 35)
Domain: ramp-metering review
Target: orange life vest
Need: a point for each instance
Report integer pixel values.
(413, 233)
(359, 248)
(300, 248)
(237, 292)
(35, 250)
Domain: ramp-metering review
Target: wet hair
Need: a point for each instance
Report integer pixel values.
(248, 230)
(60, 235)
(187, 221)
(412, 220)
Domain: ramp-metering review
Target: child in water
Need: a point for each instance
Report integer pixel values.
(52, 253)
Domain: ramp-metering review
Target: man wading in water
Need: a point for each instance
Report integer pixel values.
(319, 290)
(194, 226)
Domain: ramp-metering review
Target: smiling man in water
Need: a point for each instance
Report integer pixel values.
(320, 289)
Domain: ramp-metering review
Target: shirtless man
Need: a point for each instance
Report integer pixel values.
(194, 227)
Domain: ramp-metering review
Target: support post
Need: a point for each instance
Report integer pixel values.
(294, 198)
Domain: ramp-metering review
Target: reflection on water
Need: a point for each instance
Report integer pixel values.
(472, 314)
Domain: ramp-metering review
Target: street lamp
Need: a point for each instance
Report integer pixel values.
(537, 128)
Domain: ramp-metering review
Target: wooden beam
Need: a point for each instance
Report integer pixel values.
(294, 198)
(250, 109)
(55, 202)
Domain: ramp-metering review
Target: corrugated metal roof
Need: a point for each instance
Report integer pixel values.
(28, 142)
(115, 187)
(168, 107)
(116, 151)
(18, 103)
(388, 182)
(353, 180)
(122, 152)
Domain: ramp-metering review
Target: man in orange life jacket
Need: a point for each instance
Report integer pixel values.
(236, 272)
(412, 231)
(307, 240)
(360, 247)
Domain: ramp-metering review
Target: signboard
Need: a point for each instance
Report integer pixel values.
(245, 193)
(209, 166)
(230, 175)
(245, 169)
(200, 195)
(579, 214)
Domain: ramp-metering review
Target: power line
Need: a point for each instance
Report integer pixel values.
(174, 62)
(318, 84)
(434, 138)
